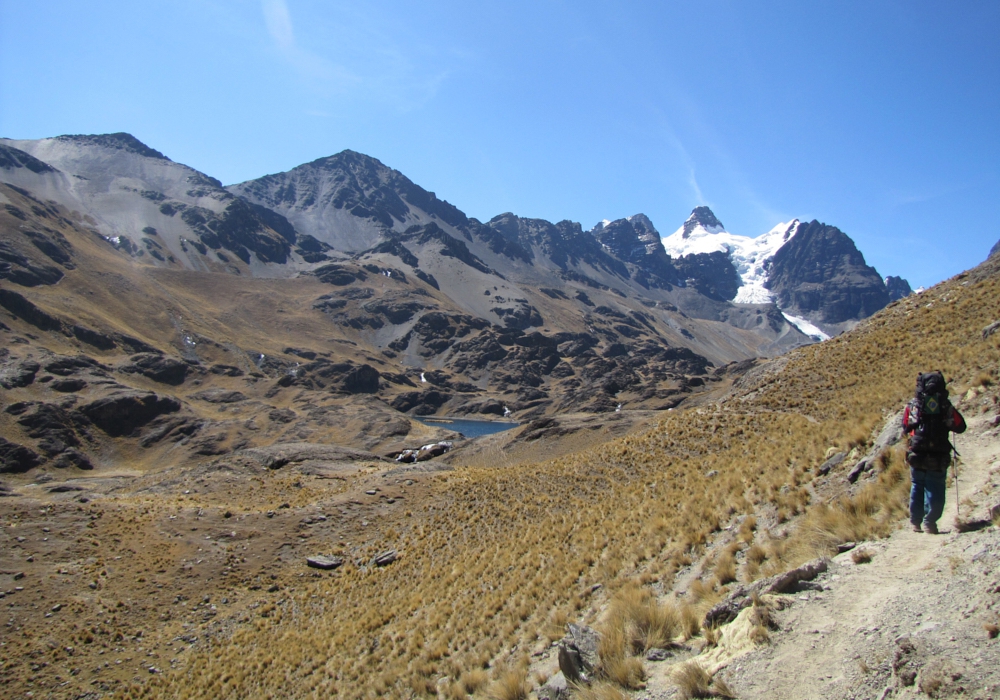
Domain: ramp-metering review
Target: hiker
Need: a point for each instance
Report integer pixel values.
(926, 421)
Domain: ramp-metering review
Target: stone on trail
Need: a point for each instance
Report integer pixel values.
(742, 596)
(831, 463)
(323, 562)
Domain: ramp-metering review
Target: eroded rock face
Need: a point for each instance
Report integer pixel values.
(821, 273)
(636, 241)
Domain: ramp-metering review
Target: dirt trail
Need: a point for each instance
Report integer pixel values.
(910, 623)
(920, 604)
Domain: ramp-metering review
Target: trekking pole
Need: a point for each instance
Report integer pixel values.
(958, 500)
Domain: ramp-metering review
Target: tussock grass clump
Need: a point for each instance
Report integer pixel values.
(511, 684)
(861, 556)
(616, 663)
(643, 622)
(600, 690)
(693, 681)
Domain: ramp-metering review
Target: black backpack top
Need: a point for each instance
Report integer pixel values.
(929, 410)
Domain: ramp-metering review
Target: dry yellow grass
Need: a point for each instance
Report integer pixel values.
(498, 552)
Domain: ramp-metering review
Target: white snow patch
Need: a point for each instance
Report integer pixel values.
(423, 378)
(750, 256)
(806, 327)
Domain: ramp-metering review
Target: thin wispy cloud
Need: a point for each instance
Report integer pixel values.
(368, 60)
(279, 24)
(309, 65)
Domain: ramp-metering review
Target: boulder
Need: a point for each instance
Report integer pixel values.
(124, 413)
(384, 558)
(742, 596)
(855, 473)
(578, 655)
(555, 688)
(829, 464)
(323, 562)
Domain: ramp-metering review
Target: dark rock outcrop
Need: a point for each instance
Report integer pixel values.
(344, 377)
(220, 396)
(18, 373)
(159, 368)
(12, 158)
(53, 426)
(27, 311)
(22, 270)
(68, 365)
(17, 459)
(124, 413)
(712, 274)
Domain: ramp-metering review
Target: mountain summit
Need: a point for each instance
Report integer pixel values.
(702, 217)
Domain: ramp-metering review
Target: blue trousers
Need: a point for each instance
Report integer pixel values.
(927, 495)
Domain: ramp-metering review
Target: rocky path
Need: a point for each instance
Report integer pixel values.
(912, 622)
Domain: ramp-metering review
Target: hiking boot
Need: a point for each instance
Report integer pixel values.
(931, 528)
(916, 527)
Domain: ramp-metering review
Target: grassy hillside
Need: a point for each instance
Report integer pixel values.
(494, 562)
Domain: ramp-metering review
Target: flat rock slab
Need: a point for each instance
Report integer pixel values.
(322, 562)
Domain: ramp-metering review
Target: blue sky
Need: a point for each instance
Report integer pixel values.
(879, 117)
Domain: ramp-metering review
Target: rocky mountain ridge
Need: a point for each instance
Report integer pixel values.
(145, 269)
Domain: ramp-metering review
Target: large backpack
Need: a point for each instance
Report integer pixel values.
(929, 410)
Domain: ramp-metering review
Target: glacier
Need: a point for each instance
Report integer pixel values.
(750, 256)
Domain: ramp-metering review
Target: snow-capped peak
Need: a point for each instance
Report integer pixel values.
(702, 218)
(750, 256)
